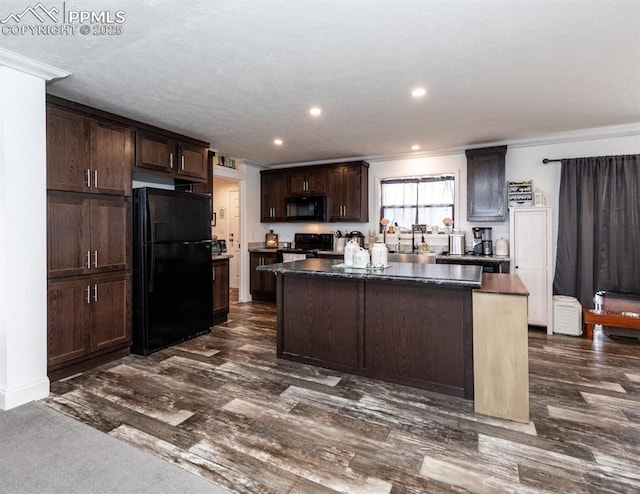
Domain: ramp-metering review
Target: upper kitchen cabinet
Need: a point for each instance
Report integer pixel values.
(159, 153)
(86, 154)
(309, 181)
(486, 186)
(348, 198)
(273, 191)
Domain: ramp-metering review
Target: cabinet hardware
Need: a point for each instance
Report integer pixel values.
(95, 259)
(88, 259)
(95, 178)
(95, 292)
(171, 160)
(88, 297)
(182, 162)
(88, 178)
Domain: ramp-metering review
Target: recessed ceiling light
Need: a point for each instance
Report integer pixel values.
(315, 111)
(278, 142)
(415, 147)
(418, 92)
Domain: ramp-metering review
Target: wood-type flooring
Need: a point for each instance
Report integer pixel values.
(223, 407)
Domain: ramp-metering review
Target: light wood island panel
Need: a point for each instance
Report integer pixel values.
(500, 348)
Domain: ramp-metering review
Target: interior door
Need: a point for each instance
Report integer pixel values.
(234, 238)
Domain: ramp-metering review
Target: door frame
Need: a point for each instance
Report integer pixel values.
(243, 268)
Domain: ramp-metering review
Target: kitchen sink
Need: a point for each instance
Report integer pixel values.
(421, 257)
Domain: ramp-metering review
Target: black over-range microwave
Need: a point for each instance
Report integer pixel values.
(306, 208)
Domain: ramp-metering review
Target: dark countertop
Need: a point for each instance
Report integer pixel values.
(507, 284)
(472, 257)
(264, 250)
(439, 274)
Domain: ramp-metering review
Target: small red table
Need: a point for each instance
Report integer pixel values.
(590, 318)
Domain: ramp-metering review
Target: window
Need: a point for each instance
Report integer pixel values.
(417, 200)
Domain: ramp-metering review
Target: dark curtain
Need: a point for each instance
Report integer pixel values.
(598, 227)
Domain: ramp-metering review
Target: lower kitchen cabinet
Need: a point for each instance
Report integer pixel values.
(220, 290)
(89, 319)
(262, 284)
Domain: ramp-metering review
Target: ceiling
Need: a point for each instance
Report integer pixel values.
(239, 73)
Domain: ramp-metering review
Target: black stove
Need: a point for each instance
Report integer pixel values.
(308, 244)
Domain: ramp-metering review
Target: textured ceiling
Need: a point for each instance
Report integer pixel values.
(238, 73)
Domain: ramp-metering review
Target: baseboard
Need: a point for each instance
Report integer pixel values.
(31, 392)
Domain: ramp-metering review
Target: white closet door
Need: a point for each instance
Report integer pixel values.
(532, 259)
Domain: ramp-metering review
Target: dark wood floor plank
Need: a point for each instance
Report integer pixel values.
(223, 407)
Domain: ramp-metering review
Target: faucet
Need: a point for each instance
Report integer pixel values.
(413, 239)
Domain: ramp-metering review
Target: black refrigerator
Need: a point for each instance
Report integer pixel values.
(172, 270)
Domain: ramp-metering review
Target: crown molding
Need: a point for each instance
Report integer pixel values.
(29, 66)
(557, 138)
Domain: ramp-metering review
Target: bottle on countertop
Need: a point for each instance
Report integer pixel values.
(379, 255)
(350, 250)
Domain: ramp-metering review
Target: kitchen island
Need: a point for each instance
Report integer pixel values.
(409, 323)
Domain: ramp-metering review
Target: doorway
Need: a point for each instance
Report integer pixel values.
(226, 205)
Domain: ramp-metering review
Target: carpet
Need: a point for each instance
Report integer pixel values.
(43, 451)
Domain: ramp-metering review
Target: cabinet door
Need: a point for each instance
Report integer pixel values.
(262, 284)
(486, 186)
(68, 320)
(297, 183)
(317, 181)
(110, 234)
(308, 182)
(353, 194)
(110, 311)
(268, 281)
(335, 201)
(68, 235)
(68, 150)
(192, 161)
(155, 152)
(221, 286)
(255, 260)
(348, 195)
(273, 189)
(111, 158)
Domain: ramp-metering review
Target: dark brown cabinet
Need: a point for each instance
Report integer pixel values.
(311, 181)
(158, 153)
(349, 192)
(90, 156)
(273, 191)
(346, 186)
(220, 290)
(87, 235)
(87, 316)
(486, 186)
(86, 154)
(262, 284)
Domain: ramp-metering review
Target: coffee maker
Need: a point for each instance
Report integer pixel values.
(482, 244)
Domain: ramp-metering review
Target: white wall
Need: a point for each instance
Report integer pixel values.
(523, 162)
(23, 244)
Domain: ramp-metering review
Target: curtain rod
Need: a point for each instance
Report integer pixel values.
(547, 160)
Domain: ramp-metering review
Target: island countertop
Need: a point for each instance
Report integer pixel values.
(439, 274)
